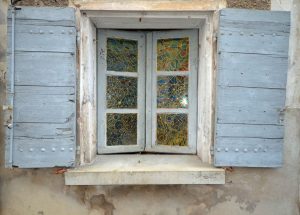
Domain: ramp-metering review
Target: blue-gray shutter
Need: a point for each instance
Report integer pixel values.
(251, 83)
(41, 86)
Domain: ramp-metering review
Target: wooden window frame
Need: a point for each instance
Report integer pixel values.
(102, 74)
(203, 21)
(151, 85)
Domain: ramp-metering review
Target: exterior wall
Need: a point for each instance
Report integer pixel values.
(247, 191)
(281, 5)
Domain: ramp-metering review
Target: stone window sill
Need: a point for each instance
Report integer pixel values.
(142, 169)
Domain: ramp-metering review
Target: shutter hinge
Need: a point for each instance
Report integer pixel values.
(212, 150)
(78, 150)
(7, 107)
(78, 38)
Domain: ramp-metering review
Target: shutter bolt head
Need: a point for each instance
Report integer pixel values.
(51, 32)
(53, 149)
(70, 32)
(62, 149)
(265, 150)
(41, 32)
(218, 149)
(63, 32)
(274, 34)
(255, 150)
(31, 149)
(20, 149)
(31, 31)
(262, 35)
(241, 33)
(43, 149)
(226, 149)
(9, 125)
(71, 149)
(245, 150)
(236, 150)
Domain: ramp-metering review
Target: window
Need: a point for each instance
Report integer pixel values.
(147, 86)
(237, 103)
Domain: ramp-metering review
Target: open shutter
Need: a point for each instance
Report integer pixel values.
(41, 80)
(251, 82)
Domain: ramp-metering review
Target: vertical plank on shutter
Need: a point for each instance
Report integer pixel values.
(251, 79)
(44, 79)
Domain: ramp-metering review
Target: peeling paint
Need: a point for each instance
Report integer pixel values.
(247, 191)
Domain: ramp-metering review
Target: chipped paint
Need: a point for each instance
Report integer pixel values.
(247, 191)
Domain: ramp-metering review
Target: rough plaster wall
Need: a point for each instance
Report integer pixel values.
(247, 191)
(251, 4)
(281, 5)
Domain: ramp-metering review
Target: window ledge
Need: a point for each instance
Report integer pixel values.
(141, 169)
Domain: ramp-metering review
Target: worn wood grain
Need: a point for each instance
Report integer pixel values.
(31, 152)
(249, 152)
(44, 104)
(44, 88)
(248, 130)
(236, 69)
(251, 82)
(44, 38)
(45, 16)
(44, 69)
(249, 105)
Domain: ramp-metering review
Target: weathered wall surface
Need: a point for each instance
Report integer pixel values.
(250, 4)
(281, 5)
(247, 191)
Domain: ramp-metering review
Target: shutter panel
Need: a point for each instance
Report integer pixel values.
(251, 80)
(41, 82)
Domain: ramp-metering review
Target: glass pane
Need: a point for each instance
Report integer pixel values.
(122, 55)
(172, 92)
(121, 92)
(172, 129)
(121, 129)
(173, 54)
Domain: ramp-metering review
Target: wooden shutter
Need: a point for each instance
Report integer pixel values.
(41, 80)
(251, 82)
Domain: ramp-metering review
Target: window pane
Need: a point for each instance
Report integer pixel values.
(122, 55)
(172, 92)
(172, 129)
(121, 129)
(173, 54)
(121, 92)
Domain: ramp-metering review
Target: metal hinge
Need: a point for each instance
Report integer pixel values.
(7, 107)
(212, 150)
(78, 150)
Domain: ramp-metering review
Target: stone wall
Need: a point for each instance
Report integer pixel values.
(247, 191)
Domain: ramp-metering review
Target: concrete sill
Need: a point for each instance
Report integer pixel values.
(141, 169)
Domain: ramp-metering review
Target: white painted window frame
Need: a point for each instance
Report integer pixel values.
(151, 85)
(203, 21)
(102, 74)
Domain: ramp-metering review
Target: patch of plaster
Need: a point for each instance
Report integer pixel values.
(42, 3)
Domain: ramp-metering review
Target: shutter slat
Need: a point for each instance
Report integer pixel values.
(43, 38)
(44, 112)
(240, 70)
(57, 69)
(251, 80)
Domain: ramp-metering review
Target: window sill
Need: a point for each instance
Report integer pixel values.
(137, 169)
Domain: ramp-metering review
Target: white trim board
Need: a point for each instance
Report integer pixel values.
(206, 26)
